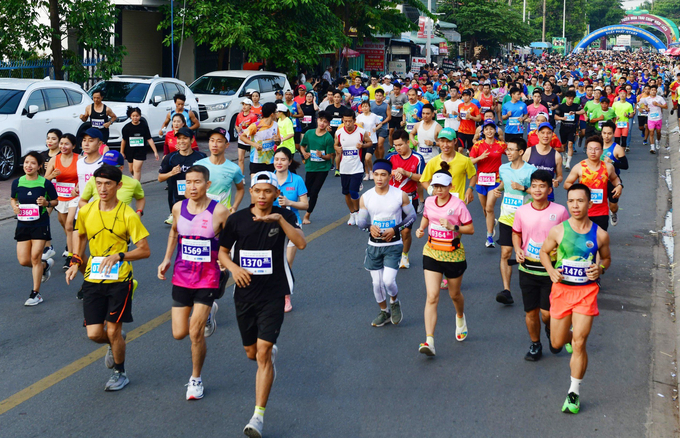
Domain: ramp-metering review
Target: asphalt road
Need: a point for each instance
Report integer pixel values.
(337, 375)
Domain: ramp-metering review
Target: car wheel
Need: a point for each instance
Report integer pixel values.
(9, 159)
(233, 136)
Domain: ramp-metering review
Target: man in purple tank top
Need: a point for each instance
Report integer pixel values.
(197, 223)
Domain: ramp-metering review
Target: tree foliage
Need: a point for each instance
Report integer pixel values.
(603, 13)
(575, 23)
(89, 21)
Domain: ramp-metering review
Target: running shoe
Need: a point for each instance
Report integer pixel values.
(48, 252)
(572, 404)
(370, 175)
(288, 306)
(567, 347)
(79, 295)
(194, 390)
(211, 324)
(553, 350)
(108, 358)
(644, 143)
(361, 187)
(504, 297)
(627, 149)
(489, 242)
(34, 299)
(337, 173)
(426, 349)
(65, 253)
(352, 219)
(365, 177)
(382, 319)
(495, 225)
(613, 219)
(421, 208)
(535, 352)
(462, 332)
(444, 284)
(47, 273)
(652, 149)
(117, 381)
(404, 263)
(254, 427)
(67, 263)
(396, 312)
(169, 219)
(275, 351)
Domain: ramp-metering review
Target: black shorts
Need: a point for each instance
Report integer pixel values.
(22, 234)
(504, 234)
(567, 134)
(259, 167)
(261, 320)
(535, 291)
(601, 221)
(185, 297)
(107, 302)
(466, 140)
(351, 183)
(590, 131)
(245, 147)
(610, 189)
(136, 153)
(297, 136)
(449, 269)
(370, 150)
(395, 122)
(642, 121)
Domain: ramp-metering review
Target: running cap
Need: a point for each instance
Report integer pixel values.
(113, 158)
(489, 123)
(441, 179)
(221, 131)
(251, 91)
(247, 102)
(185, 131)
(545, 125)
(448, 133)
(303, 86)
(382, 164)
(94, 133)
(279, 92)
(264, 177)
(546, 115)
(598, 88)
(467, 91)
(281, 107)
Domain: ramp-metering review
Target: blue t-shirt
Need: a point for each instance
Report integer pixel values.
(431, 97)
(476, 102)
(516, 111)
(221, 177)
(292, 189)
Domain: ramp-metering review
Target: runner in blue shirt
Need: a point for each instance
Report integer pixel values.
(515, 112)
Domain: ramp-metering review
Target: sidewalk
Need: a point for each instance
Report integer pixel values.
(149, 174)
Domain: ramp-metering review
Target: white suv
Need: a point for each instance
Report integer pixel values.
(31, 107)
(220, 94)
(152, 94)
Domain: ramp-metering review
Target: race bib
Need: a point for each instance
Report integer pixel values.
(436, 231)
(257, 262)
(512, 202)
(410, 126)
(28, 212)
(336, 122)
(196, 250)
(384, 223)
(64, 190)
(97, 123)
(314, 157)
(136, 142)
(463, 115)
(655, 117)
(550, 112)
(350, 152)
(306, 119)
(440, 116)
(395, 112)
(425, 149)
(485, 109)
(513, 121)
(295, 122)
(356, 100)
(575, 271)
(570, 117)
(597, 196)
(181, 186)
(380, 119)
(622, 125)
(486, 179)
(599, 124)
(268, 145)
(533, 250)
(532, 126)
(96, 274)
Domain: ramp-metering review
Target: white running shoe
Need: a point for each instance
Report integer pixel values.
(370, 175)
(254, 427)
(34, 299)
(352, 219)
(404, 263)
(194, 390)
(652, 149)
(426, 349)
(47, 272)
(48, 252)
(462, 332)
(365, 177)
(169, 219)
(211, 324)
(421, 207)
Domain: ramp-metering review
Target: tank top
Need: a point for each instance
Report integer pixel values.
(309, 118)
(596, 181)
(186, 115)
(609, 153)
(381, 112)
(575, 254)
(68, 178)
(85, 171)
(544, 162)
(197, 245)
(385, 212)
(293, 111)
(97, 120)
(428, 152)
(485, 103)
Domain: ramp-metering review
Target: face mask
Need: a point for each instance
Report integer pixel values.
(364, 98)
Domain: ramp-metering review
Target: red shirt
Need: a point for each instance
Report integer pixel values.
(414, 163)
(170, 144)
(532, 140)
(245, 121)
(467, 126)
(299, 99)
(491, 163)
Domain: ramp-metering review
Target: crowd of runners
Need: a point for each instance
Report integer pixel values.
(411, 152)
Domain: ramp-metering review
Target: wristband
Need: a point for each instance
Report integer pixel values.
(76, 260)
(141, 212)
(603, 269)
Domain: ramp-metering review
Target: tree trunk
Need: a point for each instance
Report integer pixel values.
(55, 44)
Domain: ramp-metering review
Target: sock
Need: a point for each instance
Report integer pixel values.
(196, 379)
(536, 343)
(489, 234)
(120, 367)
(430, 340)
(460, 322)
(259, 412)
(404, 254)
(385, 310)
(574, 387)
(393, 300)
(70, 254)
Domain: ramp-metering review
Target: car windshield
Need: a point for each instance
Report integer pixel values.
(225, 86)
(116, 91)
(9, 100)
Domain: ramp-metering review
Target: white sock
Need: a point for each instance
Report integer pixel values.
(393, 300)
(460, 322)
(386, 310)
(259, 412)
(196, 379)
(575, 383)
(430, 341)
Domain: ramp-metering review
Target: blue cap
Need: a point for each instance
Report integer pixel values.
(94, 133)
(489, 122)
(545, 125)
(113, 158)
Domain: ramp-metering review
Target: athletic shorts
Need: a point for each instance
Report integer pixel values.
(623, 132)
(610, 189)
(370, 149)
(23, 234)
(449, 269)
(466, 139)
(107, 302)
(484, 190)
(510, 137)
(601, 221)
(567, 134)
(136, 153)
(590, 131)
(245, 147)
(504, 234)
(395, 122)
(378, 257)
(383, 132)
(566, 299)
(63, 206)
(642, 121)
(655, 124)
(582, 124)
(351, 183)
(297, 135)
(259, 167)
(535, 291)
(185, 297)
(260, 320)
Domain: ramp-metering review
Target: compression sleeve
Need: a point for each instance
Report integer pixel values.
(411, 216)
(622, 163)
(363, 219)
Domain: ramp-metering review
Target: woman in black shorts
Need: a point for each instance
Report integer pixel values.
(31, 195)
(135, 135)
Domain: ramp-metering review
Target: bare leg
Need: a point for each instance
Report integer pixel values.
(506, 270)
(196, 332)
(432, 282)
(533, 325)
(579, 358)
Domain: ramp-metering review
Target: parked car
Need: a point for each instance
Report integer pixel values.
(31, 107)
(220, 94)
(152, 94)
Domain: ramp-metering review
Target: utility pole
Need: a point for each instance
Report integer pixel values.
(543, 34)
(428, 30)
(564, 16)
(524, 12)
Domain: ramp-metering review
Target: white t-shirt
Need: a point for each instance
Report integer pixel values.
(388, 89)
(452, 107)
(368, 124)
(85, 171)
(654, 111)
(351, 158)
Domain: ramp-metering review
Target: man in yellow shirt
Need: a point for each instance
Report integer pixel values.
(374, 86)
(460, 167)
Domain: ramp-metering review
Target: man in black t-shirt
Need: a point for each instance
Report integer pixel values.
(550, 101)
(568, 113)
(263, 278)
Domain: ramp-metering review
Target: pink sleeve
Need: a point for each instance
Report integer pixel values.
(517, 224)
(463, 214)
(565, 215)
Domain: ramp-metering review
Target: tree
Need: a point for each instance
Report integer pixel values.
(486, 23)
(575, 22)
(89, 21)
(603, 13)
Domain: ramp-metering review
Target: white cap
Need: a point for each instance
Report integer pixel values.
(251, 91)
(247, 102)
(442, 179)
(598, 88)
(281, 107)
(265, 177)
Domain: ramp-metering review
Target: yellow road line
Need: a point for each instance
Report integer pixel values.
(41, 385)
